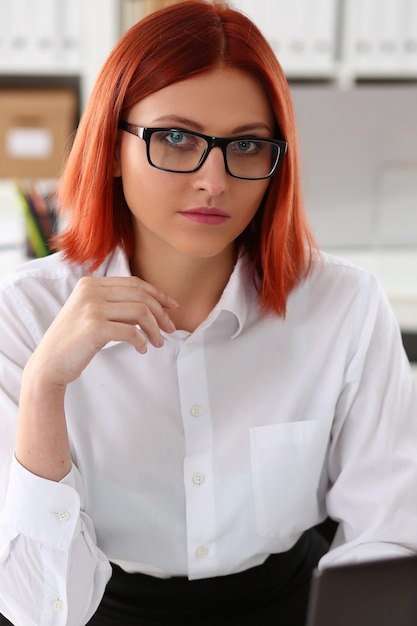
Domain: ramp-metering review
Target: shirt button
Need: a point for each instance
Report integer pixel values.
(58, 605)
(196, 410)
(198, 478)
(202, 552)
(63, 515)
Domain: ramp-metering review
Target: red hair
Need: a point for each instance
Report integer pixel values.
(170, 45)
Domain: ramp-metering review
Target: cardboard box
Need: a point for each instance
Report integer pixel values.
(36, 130)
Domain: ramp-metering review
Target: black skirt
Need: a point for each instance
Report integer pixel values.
(274, 593)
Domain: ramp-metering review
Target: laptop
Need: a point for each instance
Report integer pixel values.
(374, 593)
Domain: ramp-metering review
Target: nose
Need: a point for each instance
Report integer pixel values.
(212, 175)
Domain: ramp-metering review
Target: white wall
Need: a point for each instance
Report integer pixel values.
(359, 161)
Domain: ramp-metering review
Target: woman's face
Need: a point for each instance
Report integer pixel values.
(198, 214)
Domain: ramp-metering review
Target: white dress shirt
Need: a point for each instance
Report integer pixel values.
(201, 458)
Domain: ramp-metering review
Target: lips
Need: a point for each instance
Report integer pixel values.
(210, 216)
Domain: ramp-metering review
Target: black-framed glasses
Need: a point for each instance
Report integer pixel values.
(184, 151)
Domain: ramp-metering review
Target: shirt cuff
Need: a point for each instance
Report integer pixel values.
(42, 510)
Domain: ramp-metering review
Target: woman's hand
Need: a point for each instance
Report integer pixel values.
(100, 310)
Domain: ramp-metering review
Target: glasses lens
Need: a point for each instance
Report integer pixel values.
(176, 150)
(252, 158)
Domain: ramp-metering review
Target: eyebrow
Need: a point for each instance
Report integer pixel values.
(244, 128)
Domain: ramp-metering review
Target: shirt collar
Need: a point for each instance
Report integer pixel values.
(117, 264)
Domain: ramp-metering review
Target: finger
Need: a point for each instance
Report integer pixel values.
(142, 315)
(138, 292)
(130, 334)
(148, 314)
(134, 289)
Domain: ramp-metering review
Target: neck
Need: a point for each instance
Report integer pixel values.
(195, 283)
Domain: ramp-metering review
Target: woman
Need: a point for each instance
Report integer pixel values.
(188, 386)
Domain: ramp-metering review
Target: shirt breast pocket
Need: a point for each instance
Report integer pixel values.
(287, 462)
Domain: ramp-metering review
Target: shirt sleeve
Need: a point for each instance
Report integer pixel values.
(51, 571)
(373, 449)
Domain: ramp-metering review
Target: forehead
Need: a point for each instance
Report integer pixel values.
(217, 101)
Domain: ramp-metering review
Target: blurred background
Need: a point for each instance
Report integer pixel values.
(352, 69)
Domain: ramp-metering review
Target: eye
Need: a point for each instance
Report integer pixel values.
(176, 137)
(181, 140)
(245, 146)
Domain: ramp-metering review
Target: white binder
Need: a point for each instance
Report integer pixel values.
(389, 34)
(320, 28)
(70, 33)
(409, 36)
(43, 33)
(17, 35)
